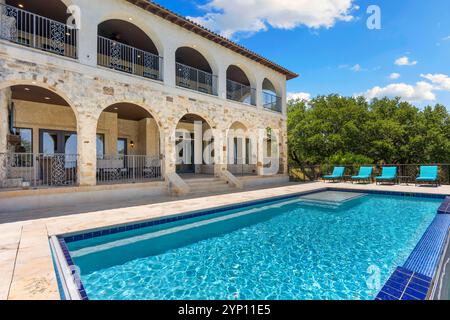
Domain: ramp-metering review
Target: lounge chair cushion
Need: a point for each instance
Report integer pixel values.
(364, 173)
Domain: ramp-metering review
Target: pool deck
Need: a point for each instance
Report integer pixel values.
(26, 263)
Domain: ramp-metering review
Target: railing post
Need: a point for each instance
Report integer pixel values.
(34, 31)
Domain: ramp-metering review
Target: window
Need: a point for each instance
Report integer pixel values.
(100, 145)
(122, 147)
(26, 140)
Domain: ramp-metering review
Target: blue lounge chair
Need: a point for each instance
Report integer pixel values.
(337, 175)
(428, 174)
(365, 174)
(388, 174)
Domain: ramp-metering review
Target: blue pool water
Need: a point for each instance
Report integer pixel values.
(280, 250)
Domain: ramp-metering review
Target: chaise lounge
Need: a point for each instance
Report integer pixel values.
(388, 174)
(428, 174)
(365, 174)
(337, 175)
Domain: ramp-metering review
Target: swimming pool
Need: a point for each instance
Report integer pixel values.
(285, 249)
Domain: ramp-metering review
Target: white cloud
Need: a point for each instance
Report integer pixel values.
(249, 16)
(394, 76)
(422, 91)
(356, 68)
(404, 61)
(440, 81)
(446, 38)
(304, 96)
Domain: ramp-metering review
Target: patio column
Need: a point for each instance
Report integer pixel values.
(169, 64)
(222, 82)
(168, 149)
(198, 145)
(5, 96)
(87, 154)
(220, 150)
(259, 93)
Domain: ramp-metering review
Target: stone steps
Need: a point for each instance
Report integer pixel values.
(208, 185)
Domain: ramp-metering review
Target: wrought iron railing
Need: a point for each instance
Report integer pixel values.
(272, 102)
(239, 92)
(122, 57)
(116, 169)
(31, 30)
(195, 79)
(22, 170)
(406, 172)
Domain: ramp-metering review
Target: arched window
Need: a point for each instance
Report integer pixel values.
(125, 47)
(194, 72)
(238, 86)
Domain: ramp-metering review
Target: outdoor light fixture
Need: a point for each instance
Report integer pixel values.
(20, 5)
(47, 98)
(27, 89)
(132, 144)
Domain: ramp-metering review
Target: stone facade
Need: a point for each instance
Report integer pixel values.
(89, 90)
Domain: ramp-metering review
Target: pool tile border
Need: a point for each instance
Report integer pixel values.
(64, 239)
(405, 284)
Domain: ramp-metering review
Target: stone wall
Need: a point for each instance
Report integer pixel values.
(89, 90)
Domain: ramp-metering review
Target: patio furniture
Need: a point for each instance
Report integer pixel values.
(365, 174)
(388, 174)
(337, 175)
(428, 174)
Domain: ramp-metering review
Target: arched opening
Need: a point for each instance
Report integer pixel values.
(125, 47)
(194, 146)
(238, 86)
(240, 151)
(128, 145)
(194, 72)
(271, 153)
(42, 138)
(271, 100)
(39, 24)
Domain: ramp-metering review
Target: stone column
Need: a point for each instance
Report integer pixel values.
(87, 24)
(259, 93)
(5, 97)
(222, 82)
(87, 155)
(169, 65)
(198, 145)
(220, 150)
(168, 150)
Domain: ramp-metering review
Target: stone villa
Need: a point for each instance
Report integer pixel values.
(99, 95)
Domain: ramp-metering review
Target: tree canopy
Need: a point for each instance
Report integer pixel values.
(350, 130)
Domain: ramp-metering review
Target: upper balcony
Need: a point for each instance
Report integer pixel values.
(124, 47)
(28, 23)
(194, 72)
(271, 100)
(238, 86)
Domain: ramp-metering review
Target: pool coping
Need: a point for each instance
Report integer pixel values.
(70, 278)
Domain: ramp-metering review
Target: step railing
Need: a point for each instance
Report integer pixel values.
(122, 169)
(34, 170)
(195, 79)
(272, 102)
(32, 30)
(242, 93)
(125, 58)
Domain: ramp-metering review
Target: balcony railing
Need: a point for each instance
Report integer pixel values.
(31, 30)
(118, 169)
(239, 92)
(121, 57)
(272, 102)
(195, 79)
(19, 170)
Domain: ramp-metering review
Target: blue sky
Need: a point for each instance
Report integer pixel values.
(328, 43)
